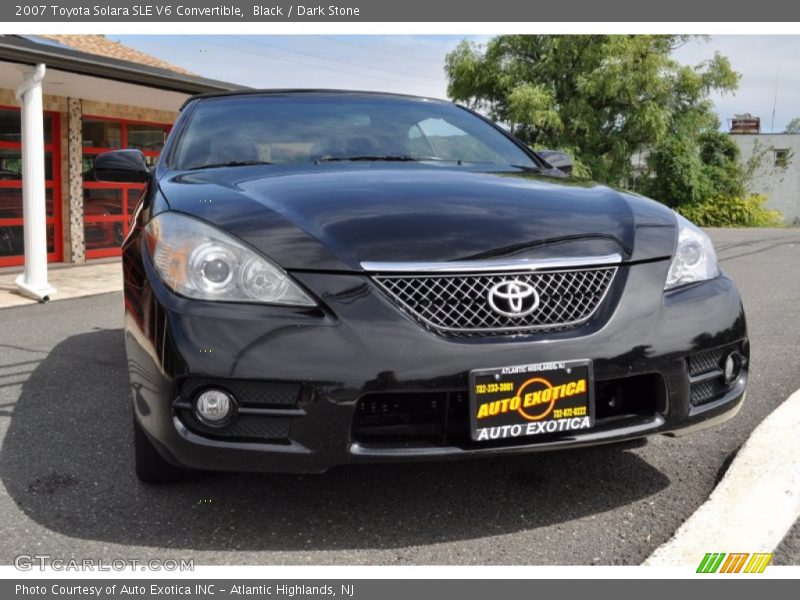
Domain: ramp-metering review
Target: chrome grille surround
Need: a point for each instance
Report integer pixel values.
(457, 304)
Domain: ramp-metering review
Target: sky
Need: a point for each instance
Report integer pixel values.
(414, 64)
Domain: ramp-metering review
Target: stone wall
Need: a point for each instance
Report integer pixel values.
(74, 223)
(134, 113)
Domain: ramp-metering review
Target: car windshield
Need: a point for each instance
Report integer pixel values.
(292, 129)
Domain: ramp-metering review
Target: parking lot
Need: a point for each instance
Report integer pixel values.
(67, 486)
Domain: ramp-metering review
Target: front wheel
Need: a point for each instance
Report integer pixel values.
(151, 467)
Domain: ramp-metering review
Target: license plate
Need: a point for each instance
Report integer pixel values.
(531, 400)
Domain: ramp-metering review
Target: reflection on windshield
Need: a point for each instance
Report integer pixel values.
(287, 129)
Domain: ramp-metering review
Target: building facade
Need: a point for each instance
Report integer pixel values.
(98, 95)
(777, 174)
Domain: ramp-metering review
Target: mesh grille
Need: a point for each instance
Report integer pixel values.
(459, 304)
(243, 428)
(707, 360)
(704, 392)
(257, 393)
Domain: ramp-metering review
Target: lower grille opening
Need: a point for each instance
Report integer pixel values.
(640, 395)
(245, 428)
(430, 417)
(706, 373)
(247, 393)
(442, 418)
(385, 417)
(704, 392)
(266, 402)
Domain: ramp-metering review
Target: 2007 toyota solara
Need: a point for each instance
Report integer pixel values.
(314, 278)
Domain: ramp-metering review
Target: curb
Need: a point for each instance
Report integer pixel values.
(755, 504)
(73, 281)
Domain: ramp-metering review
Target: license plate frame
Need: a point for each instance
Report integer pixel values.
(531, 408)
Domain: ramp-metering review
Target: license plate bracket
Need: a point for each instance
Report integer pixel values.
(531, 400)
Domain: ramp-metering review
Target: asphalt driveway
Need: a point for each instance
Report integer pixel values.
(67, 486)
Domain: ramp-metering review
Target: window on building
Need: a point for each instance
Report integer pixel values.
(11, 223)
(781, 157)
(107, 207)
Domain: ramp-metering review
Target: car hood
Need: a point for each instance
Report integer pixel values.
(336, 216)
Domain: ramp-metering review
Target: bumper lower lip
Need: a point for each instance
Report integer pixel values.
(361, 343)
(188, 449)
(710, 415)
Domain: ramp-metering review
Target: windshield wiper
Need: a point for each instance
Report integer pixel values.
(231, 163)
(531, 169)
(382, 157)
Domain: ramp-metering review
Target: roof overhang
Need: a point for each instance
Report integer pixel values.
(85, 87)
(23, 51)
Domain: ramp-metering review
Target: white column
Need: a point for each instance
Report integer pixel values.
(33, 282)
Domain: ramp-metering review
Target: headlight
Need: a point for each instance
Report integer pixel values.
(695, 259)
(199, 261)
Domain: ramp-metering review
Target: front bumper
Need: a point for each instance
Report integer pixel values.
(361, 347)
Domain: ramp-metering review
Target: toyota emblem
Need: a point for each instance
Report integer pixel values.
(513, 298)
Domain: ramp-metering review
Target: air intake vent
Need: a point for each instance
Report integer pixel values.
(706, 375)
(254, 393)
(246, 428)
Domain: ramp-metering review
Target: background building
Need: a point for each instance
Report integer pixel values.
(777, 174)
(98, 95)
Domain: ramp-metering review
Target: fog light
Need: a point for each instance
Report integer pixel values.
(214, 407)
(733, 365)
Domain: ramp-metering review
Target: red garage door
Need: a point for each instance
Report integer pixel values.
(11, 224)
(108, 207)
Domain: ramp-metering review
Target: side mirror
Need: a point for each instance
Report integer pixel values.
(557, 159)
(121, 166)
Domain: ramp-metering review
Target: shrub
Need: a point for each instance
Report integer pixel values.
(738, 211)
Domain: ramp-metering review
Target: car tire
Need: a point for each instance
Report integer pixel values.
(151, 467)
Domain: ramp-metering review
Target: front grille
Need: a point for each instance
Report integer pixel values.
(458, 305)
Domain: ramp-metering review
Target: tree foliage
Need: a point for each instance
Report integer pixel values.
(691, 167)
(742, 211)
(793, 126)
(603, 99)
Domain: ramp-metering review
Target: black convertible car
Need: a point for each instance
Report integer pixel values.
(315, 278)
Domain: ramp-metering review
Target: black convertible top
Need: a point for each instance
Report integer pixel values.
(304, 91)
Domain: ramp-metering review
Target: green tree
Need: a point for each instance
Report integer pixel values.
(793, 126)
(604, 98)
(690, 167)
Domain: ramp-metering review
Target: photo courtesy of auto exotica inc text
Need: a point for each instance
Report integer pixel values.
(380, 300)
